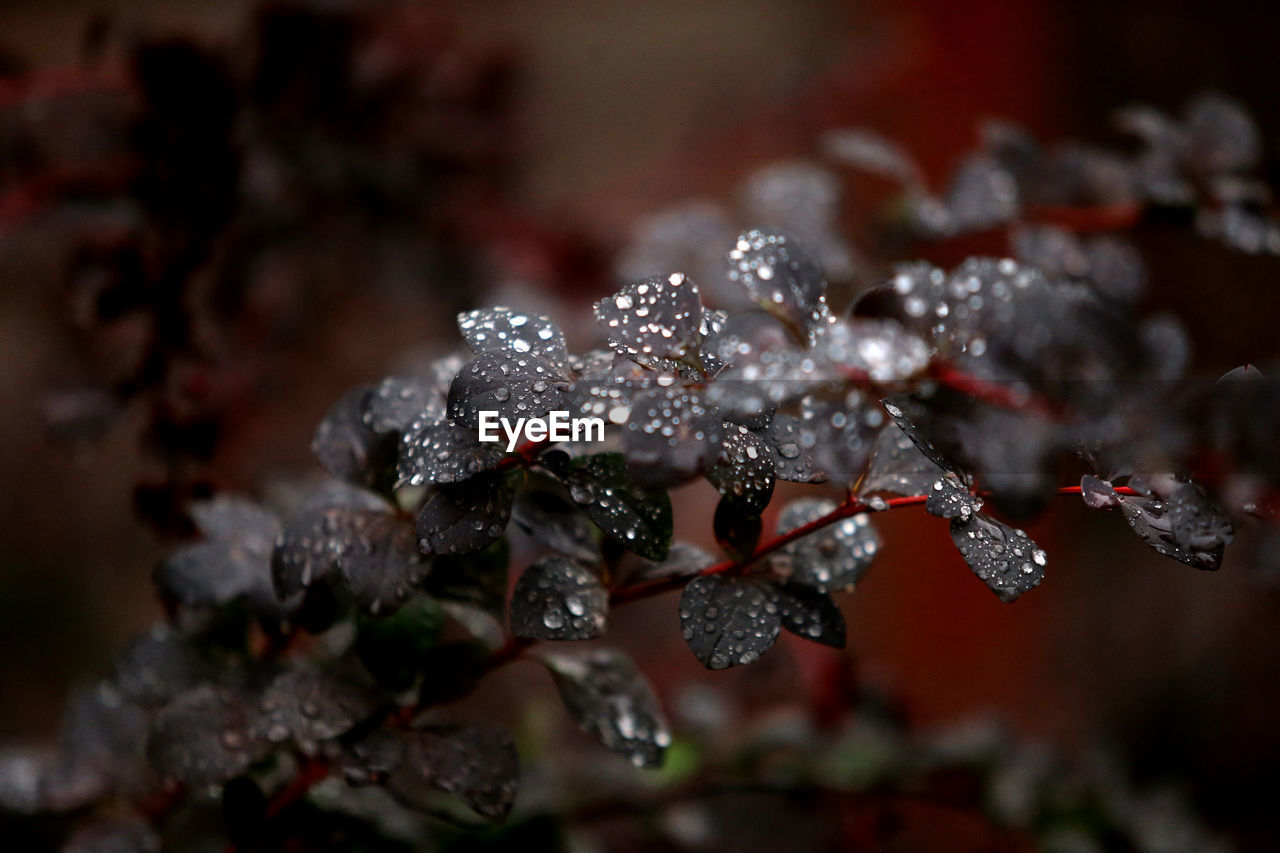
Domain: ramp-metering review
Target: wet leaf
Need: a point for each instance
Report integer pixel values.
(556, 523)
(231, 518)
(810, 613)
(897, 466)
(729, 621)
(671, 437)
(1004, 558)
(746, 391)
(306, 704)
(881, 350)
(744, 471)
(638, 519)
(982, 195)
(502, 330)
(348, 448)
(1221, 136)
(1114, 268)
(371, 759)
(398, 401)
(156, 667)
(557, 599)
(465, 517)
(759, 384)
(833, 557)
(657, 322)
(684, 560)
(791, 446)
(101, 750)
(1097, 493)
(951, 498)
(235, 560)
(477, 763)
(433, 450)
(203, 737)
(780, 277)
(1178, 520)
(381, 564)
(513, 386)
(611, 700)
(906, 422)
(209, 574)
(318, 533)
(803, 199)
(841, 432)
(605, 390)
(737, 532)
(690, 237)
(873, 153)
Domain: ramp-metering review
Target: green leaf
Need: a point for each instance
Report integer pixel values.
(396, 649)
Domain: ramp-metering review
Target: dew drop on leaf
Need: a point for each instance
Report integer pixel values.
(558, 599)
(610, 699)
(729, 621)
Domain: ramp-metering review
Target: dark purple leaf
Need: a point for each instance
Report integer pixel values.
(465, 517)
(556, 523)
(477, 763)
(611, 700)
(1004, 558)
(780, 277)
(833, 557)
(398, 401)
(512, 386)
(744, 472)
(657, 322)
(309, 705)
(811, 614)
(949, 497)
(792, 445)
(557, 599)
(433, 450)
(502, 330)
(381, 564)
(729, 621)
(638, 519)
(204, 738)
(156, 667)
(671, 437)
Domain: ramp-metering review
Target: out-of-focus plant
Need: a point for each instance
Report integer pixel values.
(200, 202)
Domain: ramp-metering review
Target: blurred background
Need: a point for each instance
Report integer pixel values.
(370, 169)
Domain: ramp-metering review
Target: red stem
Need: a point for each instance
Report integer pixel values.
(312, 771)
(986, 391)
(523, 456)
(849, 508)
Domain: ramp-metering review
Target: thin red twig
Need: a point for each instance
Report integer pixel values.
(984, 390)
(847, 509)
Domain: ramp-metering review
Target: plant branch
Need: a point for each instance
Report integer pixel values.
(850, 507)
